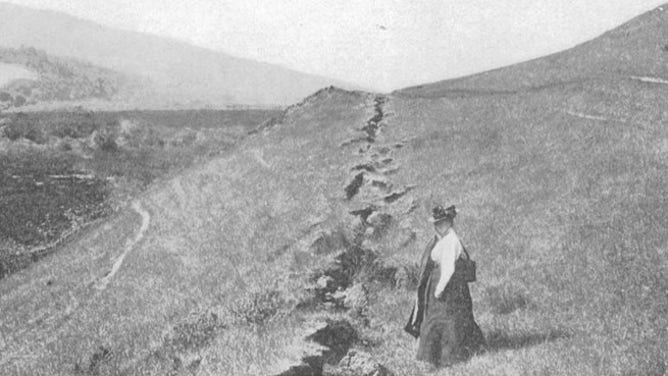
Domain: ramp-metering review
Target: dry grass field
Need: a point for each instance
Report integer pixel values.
(312, 227)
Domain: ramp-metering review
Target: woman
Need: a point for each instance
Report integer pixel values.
(442, 317)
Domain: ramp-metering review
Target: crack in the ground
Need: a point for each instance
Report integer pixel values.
(394, 196)
(354, 186)
(373, 125)
(341, 285)
(371, 129)
(379, 164)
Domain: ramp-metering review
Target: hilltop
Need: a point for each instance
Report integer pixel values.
(179, 74)
(298, 248)
(638, 48)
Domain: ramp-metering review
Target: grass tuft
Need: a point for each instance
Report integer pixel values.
(258, 308)
(196, 334)
(506, 299)
(501, 340)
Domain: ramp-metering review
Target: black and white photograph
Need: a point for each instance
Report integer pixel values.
(333, 187)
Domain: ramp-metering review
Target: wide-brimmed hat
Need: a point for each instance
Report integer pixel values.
(438, 213)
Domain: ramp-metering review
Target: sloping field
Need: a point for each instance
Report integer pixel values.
(226, 268)
(12, 72)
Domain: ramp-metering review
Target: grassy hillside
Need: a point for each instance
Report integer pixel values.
(638, 48)
(564, 214)
(58, 80)
(179, 73)
(310, 232)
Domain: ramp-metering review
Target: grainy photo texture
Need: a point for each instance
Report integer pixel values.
(333, 188)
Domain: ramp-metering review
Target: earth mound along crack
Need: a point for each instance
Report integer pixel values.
(342, 285)
(370, 183)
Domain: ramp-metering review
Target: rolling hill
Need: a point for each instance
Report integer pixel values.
(298, 248)
(638, 48)
(180, 74)
(47, 80)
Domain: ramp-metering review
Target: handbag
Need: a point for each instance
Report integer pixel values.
(465, 268)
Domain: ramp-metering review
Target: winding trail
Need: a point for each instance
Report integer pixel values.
(145, 221)
(652, 80)
(586, 116)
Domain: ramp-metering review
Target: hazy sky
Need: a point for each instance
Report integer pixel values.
(381, 45)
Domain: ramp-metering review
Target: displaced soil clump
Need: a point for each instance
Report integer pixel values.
(336, 337)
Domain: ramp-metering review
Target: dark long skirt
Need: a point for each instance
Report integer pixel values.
(448, 333)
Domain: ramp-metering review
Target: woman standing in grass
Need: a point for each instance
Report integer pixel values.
(442, 317)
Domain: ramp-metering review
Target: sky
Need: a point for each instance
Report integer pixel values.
(378, 44)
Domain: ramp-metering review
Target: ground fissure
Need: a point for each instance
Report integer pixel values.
(344, 286)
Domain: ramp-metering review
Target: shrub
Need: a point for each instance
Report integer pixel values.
(35, 134)
(95, 363)
(197, 333)
(12, 132)
(78, 127)
(506, 299)
(105, 139)
(151, 138)
(329, 242)
(357, 264)
(64, 146)
(21, 126)
(19, 101)
(258, 308)
(408, 276)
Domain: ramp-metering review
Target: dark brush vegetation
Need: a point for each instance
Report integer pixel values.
(62, 170)
(41, 193)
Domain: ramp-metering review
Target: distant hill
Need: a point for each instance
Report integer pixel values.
(39, 78)
(639, 47)
(180, 74)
